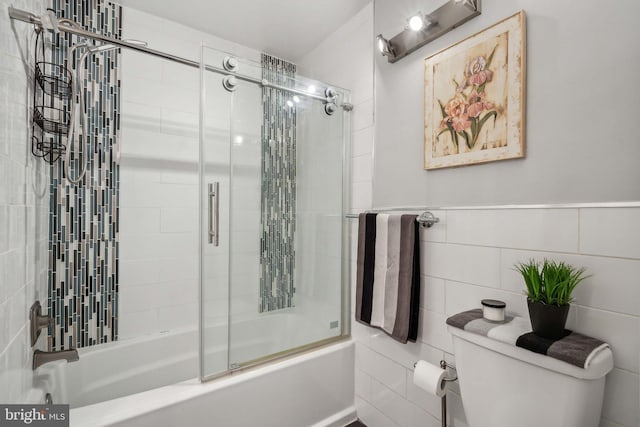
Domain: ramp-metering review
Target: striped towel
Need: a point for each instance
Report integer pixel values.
(388, 274)
(573, 348)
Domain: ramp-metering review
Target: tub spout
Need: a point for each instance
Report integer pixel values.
(42, 357)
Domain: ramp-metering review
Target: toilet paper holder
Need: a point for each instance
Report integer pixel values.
(443, 402)
(445, 365)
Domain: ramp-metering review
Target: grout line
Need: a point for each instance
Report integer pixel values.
(477, 245)
(450, 280)
(620, 313)
(578, 231)
(405, 398)
(446, 226)
(500, 267)
(610, 421)
(626, 371)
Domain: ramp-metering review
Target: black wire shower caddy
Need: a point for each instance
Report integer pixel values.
(52, 86)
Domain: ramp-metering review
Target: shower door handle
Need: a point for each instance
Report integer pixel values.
(214, 209)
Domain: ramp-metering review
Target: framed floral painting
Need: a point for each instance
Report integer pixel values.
(474, 98)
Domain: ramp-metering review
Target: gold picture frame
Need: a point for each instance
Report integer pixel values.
(474, 98)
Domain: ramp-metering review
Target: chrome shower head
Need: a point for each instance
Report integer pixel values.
(101, 48)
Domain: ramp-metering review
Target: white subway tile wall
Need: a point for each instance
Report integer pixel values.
(159, 181)
(457, 276)
(24, 209)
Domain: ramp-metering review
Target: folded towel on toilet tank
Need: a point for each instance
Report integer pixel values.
(574, 348)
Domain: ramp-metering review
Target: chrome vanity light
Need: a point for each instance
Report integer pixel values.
(385, 47)
(423, 28)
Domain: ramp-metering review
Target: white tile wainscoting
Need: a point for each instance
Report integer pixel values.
(24, 209)
(470, 255)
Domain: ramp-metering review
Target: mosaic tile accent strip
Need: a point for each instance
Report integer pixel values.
(83, 223)
(278, 203)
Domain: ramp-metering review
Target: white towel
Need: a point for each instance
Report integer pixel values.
(380, 271)
(393, 268)
(510, 332)
(594, 353)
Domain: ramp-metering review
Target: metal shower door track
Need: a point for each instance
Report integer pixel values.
(29, 17)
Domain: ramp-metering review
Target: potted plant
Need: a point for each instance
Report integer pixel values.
(549, 289)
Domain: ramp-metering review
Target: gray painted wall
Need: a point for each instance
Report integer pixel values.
(582, 143)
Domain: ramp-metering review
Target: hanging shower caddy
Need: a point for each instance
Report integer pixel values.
(51, 118)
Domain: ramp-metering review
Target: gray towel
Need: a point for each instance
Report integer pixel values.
(388, 275)
(461, 319)
(576, 349)
(407, 312)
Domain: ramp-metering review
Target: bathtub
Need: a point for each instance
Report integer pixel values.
(141, 382)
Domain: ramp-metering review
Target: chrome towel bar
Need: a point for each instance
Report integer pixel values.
(427, 219)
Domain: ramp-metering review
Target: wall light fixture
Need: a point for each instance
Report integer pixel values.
(422, 29)
(416, 22)
(384, 46)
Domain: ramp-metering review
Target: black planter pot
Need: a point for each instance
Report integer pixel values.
(548, 320)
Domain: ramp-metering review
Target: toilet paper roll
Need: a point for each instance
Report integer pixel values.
(430, 378)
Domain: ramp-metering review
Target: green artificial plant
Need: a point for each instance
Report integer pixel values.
(550, 282)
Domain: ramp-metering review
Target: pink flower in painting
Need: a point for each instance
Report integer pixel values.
(477, 73)
(456, 106)
(456, 110)
(477, 104)
(481, 78)
(464, 115)
(476, 65)
(460, 123)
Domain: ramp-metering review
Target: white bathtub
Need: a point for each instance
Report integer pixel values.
(141, 383)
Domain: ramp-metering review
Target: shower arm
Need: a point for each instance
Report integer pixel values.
(25, 16)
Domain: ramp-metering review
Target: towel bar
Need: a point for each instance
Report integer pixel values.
(427, 219)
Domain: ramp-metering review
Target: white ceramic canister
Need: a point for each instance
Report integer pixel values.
(493, 310)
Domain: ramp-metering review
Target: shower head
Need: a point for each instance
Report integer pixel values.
(101, 48)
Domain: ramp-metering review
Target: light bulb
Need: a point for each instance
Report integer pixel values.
(296, 99)
(290, 103)
(416, 23)
(311, 89)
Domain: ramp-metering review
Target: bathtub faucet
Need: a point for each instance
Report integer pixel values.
(42, 357)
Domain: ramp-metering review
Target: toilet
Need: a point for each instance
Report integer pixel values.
(506, 386)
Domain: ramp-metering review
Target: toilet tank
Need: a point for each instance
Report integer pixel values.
(503, 385)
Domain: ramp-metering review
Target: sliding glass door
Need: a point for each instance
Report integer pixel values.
(274, 281)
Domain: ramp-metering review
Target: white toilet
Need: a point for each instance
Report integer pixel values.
(507, 386)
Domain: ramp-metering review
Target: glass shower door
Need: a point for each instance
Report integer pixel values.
(215, 109)
(246, 329)
(286, 215)
(279, 161)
